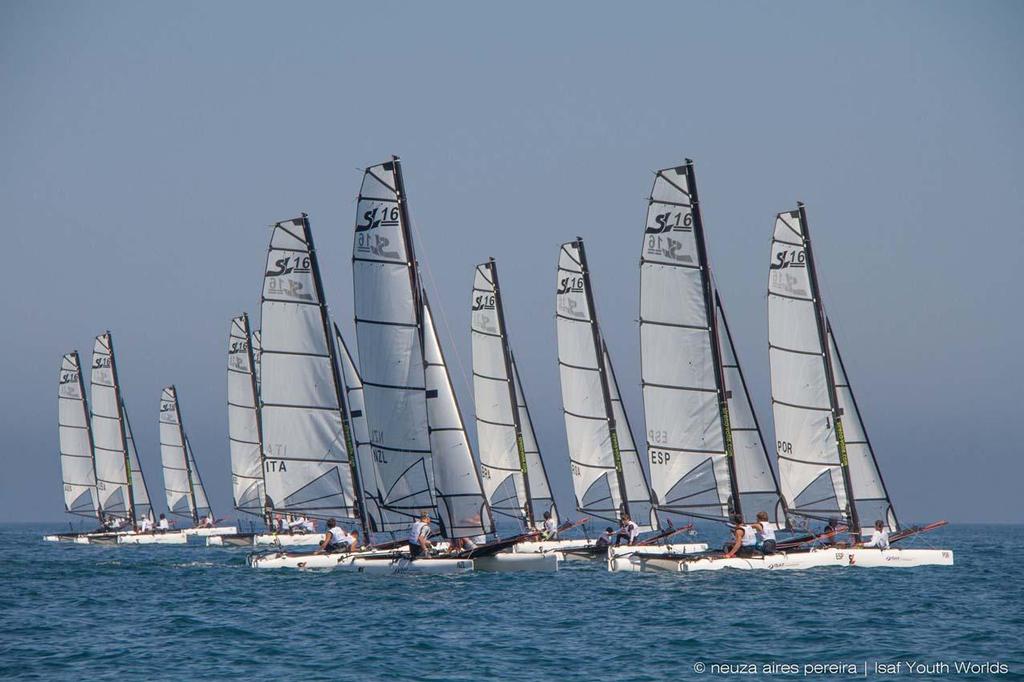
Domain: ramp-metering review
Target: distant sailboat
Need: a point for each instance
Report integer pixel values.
(75, 435)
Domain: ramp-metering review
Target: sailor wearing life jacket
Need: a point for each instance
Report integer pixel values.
(419, 534)
(744, 537)
(335, 539)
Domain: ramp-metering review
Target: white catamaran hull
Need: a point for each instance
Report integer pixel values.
(76, 538)
(509, 562)
(773, 562)
(207, 532)
(897, 558)
(265, 540)
(176, 538)
(362, 562)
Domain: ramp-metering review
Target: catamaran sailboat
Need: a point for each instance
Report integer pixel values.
(608, 477)
(827, 466)
(186, 496)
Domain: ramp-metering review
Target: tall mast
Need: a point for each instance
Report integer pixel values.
(350, 445)
(185, 452)
(88, 430)
(332, 350)
(516, 421)
(414, 268)
(124, 436)
(821, 322)
(603, 373)
(268, 512)
(710, 310)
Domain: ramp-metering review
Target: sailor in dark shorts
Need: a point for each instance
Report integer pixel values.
(335, 539)
(419, 544)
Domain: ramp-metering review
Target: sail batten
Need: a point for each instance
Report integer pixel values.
(598, 458)
(78, 470)
(389, 339)
(306, 463)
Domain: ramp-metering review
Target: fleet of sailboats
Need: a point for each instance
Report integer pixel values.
(374, 439)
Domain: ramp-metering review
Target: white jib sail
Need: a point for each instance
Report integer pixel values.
(75, 436)
(143, 506)
(810, 472)
(870, 497)
(388, 336)
(759, 490)
(540, 486)
(365, 460)
(587, 420)
(306, 465)
(689, 464)
(501, 471)
(460, 500)
(244, 432)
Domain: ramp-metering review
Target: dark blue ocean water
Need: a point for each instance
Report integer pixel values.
(87, 612)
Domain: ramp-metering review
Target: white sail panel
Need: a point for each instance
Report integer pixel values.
(365, 458)
(108, 432)
(810, 472)
(755, 480)
(686, 449)
(257, 351)
(202, 501)
(870, 497)
(177, 483)
(388, 336)
(244, 432)
(460, 500)
(306, 465)
(75, 437)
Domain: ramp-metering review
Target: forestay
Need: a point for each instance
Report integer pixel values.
(75, 435)
(365, 462)
(118, 475)
(306, 464)
(244, 431)
(182, 484)
(598, 480)
(509, 458)
(810, 468)
(389, 341)
(690, 471)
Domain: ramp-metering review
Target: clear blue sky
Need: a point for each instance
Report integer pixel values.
(145, 148)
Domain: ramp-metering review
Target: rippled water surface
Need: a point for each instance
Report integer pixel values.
(192, 612)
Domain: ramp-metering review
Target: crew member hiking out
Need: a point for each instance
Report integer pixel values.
(605, 538)
(335, 539)
(550, 531)
(879, 538)
(744, 537)
(628, 532)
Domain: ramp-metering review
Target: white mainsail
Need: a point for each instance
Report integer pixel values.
(121, 488)
(811, 467)
(75, 437)
(389, 339)
(245, 436)
(870, 498)
(598, 466)
(366, 467)
(307, 466)
(182, 484)
(461, 504)
(511, 471)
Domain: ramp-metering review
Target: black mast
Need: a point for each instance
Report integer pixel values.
(711, 313)
(820, 321)
(603, 374)
(516, 422)
(333, 358)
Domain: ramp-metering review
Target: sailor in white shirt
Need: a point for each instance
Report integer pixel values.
(744, 537)
(419, 534)
(335, 539)
(880, 538)
(113, 523)
(550, 531)
(164, 525)
(298, 525)
(765, 534)
(146, 525)
(629, 531)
